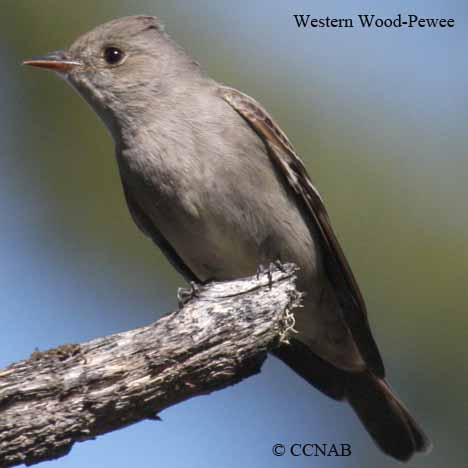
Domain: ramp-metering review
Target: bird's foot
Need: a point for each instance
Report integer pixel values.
(269, 270)
(184, 295)
(279, 266)
(260, 271)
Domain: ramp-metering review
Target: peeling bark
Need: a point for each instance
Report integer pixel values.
(79, 391)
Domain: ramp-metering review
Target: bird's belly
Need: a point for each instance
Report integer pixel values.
(213, 250)
(226, 231)
(217, 248)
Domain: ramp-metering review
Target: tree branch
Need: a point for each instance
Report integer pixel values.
(78, 391)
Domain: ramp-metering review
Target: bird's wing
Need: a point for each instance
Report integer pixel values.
(295, 175)
(148, 228)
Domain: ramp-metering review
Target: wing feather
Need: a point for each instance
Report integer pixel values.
(149, 229)
(295, 174)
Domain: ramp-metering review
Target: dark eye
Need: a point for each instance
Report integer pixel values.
(113, 55)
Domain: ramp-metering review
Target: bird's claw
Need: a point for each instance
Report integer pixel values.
(272, 266)
(260, 270)
(279, 266)
(184, 295)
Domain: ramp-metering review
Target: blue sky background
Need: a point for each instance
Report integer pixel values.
(380, 118)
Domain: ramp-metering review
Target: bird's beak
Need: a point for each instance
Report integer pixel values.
(59, 61)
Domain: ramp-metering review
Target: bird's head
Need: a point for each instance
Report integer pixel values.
(120, 67)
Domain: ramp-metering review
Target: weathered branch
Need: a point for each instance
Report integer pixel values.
(76, 392)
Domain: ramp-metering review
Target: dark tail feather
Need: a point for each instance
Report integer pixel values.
(386, 419)
(323, 376)
(383, 415)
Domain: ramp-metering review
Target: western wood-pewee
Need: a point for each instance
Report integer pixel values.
(214, 182)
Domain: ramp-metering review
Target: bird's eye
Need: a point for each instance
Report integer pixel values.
(113, 55)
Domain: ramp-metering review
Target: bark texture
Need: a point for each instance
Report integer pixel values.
(78, 391)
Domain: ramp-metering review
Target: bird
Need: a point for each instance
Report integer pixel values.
(214, 182)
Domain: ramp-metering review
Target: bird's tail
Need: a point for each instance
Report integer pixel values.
(386, 419)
